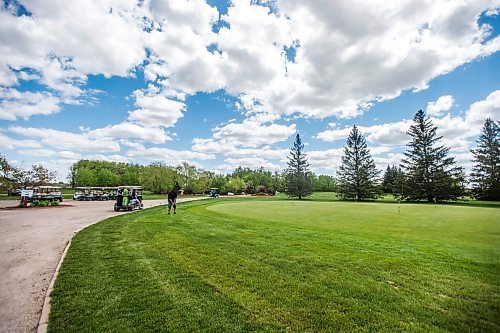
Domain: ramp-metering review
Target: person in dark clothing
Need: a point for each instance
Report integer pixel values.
(119, 198)
(172, 201)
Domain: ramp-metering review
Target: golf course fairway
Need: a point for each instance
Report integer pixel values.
(265, 265)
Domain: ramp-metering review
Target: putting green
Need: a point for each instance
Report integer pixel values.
(445, 222)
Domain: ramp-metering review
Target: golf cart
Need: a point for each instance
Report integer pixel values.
(46, 193)
(128, 198)
(214, 192)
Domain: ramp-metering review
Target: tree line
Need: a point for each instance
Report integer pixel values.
(160, 178)
(426, 173)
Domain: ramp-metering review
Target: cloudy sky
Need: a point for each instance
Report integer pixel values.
(222, 84)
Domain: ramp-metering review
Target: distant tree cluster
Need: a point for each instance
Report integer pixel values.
(12, 177)
(160, 178)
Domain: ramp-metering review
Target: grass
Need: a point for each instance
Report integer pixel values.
(266, 265)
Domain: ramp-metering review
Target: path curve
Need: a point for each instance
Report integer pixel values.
(32, 242)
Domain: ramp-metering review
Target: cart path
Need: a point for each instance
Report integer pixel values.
(31, 244)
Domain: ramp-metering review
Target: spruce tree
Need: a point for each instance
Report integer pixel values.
(389, 179)
(430, 173)
(485, 176)
(297, 176)
(357, 176)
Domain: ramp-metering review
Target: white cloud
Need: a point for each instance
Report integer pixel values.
(15, 104)
(37, 152)
(155, 109)
(127, 130)
(381, 162)
(251, 133)
(443, 103)
(65, 140)
(10, 143)
(331, 135)
(342, 66)
(385, 134)
(59, 75)
(247, 162)
(487, 108)
(166, 155)
(325, 160)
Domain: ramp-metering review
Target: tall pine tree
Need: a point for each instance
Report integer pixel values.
(485, 176)
(297, 176)
(430, 174)
(357, 176)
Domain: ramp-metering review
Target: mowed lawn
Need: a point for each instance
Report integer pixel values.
(262, 265)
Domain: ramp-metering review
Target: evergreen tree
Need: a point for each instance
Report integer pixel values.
(297, 175)
(485, 176)
(357, 176)
(430, 174)
(390, 179)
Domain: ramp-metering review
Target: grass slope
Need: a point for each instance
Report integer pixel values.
(267, 266)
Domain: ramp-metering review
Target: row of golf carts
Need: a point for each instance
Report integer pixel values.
(127, 197)
(95, 193)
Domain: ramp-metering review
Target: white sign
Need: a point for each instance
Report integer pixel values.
(27, 193)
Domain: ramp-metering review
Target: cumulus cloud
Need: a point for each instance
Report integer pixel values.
(65, 140)
(443, 103)
(37, 152)
(251, 133)
(156, 109)
(127, 130)
(11, 143)
(340, 66)
(247, 162)
(16, 104)
(166, 155)
(487, 108)
(385, 134)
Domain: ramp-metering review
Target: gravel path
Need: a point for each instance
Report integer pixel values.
(31, 244)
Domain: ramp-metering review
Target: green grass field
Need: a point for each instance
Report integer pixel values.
(268, 265)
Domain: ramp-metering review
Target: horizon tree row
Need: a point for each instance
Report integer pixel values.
(159, 178)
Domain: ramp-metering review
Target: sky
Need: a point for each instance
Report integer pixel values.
(222, 84)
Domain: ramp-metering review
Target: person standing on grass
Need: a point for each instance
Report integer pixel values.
(172, 201)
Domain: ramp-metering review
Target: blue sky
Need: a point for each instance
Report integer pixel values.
(222, 84)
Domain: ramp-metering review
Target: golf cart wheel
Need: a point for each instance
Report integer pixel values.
(116, 208)
(129, 208)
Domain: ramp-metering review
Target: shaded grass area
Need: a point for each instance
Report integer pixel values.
(275, 266)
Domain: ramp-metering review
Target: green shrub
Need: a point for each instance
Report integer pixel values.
(54, 203)
(43, 203)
